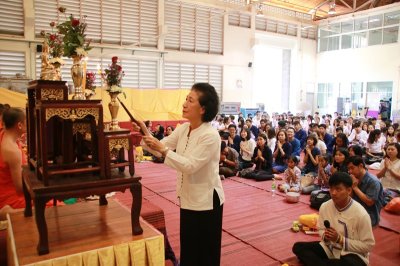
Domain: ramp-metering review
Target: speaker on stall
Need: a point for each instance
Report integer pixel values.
(39, 48)
(250, 64)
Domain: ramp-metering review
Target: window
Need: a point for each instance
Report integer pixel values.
(347, 41)
(12, 17)
(360, 39)
(183, 76)
(361, 32)
(240, 20)
(347, 26)
(109, 21)
(187, 21)
(325, 96)
(333, 43)
(375, 37)
(361, 24)
(282, 27)
(390, 35)
(392, 18)
(12, 63)
(375, 22)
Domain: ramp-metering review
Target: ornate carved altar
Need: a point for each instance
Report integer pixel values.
(67, 156)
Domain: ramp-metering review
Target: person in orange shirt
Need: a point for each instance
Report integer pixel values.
(11, 194)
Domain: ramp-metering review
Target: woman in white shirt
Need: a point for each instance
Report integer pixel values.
(247, 146)
(390, 172)
(375, 147)
(199, 187)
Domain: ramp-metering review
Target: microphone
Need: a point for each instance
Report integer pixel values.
(327, 224)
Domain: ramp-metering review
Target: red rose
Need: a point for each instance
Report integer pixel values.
(119, 68)
(114, 59)
(75, 22)
(52, 37)
(52, 24)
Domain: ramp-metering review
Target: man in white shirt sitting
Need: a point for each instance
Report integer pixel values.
(344, 226)
(358, 136)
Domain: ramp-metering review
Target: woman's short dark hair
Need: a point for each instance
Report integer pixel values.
(357, 149)
(271, 133)
(340, 178)
(314, 139)
(343, 137)
(208, 99)
(13, 116)
(372, 135)
(262, 135)
(248, 134)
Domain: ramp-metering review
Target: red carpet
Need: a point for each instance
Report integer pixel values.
(256, 225)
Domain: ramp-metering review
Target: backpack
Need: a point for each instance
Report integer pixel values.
(318, 197)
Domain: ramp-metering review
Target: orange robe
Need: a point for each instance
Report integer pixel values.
(8, 193)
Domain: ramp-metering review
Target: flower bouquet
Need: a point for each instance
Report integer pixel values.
(113, 77)
(76, 46)
(90, 87)
(73, 29)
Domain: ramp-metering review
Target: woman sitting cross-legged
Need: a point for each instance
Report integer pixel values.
(262, 157)
(247, 146)
(282, 152)
(390, 172)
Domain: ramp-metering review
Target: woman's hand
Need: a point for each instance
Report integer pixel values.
(154, 143)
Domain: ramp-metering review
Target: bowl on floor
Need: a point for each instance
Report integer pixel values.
(292, 197)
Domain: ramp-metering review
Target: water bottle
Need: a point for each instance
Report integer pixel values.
(273, 187)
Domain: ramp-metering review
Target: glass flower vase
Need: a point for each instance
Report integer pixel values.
(113, 105)
(77, 74)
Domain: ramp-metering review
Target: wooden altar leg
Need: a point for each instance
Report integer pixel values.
(131, 160)
(136, 190)
(103, 200)
(28, 201)
(43, 245)
(121, 159)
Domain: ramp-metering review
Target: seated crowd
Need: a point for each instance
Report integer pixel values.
(328, 154)
(313, 148)
(332, 152)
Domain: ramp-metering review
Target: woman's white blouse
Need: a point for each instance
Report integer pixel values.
(197, 163)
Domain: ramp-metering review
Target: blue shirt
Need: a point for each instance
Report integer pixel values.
(371, 187)
(328, 139)
(301, 135)
(296, 149)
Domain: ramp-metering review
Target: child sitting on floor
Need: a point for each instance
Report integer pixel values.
(324, 171)
(292, 176)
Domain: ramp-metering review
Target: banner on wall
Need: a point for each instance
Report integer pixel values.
(230, 108)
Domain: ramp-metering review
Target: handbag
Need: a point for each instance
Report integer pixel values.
(318, 197)
(307, 180)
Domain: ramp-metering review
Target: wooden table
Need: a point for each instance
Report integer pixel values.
(69, 186)
(116, 143)
(81, 231)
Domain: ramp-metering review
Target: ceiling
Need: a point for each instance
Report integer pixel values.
(319, 8)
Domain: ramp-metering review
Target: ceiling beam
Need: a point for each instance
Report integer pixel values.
(346, 4)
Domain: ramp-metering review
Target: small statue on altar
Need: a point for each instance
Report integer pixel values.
(47, 70)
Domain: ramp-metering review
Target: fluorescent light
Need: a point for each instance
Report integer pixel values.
(332, 8)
